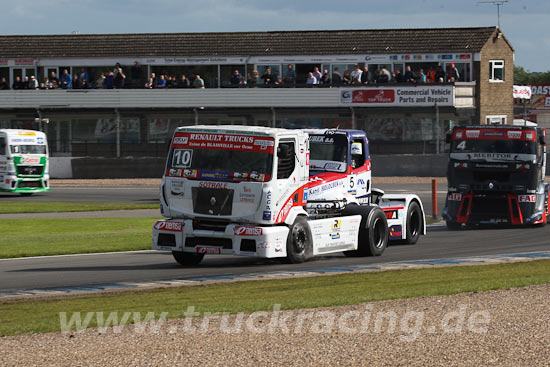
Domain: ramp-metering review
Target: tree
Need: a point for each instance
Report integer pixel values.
(522, 76)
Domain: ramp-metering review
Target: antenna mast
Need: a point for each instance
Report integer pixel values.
(498, 3)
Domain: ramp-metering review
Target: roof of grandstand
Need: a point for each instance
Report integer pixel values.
(331, 42)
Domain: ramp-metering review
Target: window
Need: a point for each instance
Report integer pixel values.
(495, 120)
(2, 146)
(496, 70)
(285, 159)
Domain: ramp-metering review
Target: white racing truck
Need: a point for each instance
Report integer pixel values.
(277, 193)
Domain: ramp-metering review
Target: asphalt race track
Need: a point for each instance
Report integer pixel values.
(98, 269)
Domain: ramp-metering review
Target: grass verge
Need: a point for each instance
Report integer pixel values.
(53, 207)
(42, 315)
(37, 237)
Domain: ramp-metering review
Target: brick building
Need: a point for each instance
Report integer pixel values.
(134, 121)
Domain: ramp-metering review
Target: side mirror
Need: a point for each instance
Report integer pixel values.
(541, 139)
(356, 149)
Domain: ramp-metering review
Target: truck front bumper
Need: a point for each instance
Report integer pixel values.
(231, 239)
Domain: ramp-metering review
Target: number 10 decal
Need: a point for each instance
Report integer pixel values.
(182, 158)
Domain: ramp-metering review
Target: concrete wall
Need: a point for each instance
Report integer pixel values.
(429, 165)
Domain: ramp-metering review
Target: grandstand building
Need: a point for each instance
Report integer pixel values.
(399, 117)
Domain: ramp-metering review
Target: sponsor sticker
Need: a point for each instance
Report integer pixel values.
(181, 140)
(31, 160)
(396, 231)
(527, 198)
(455, 196)
(212, 185)
(266, 215)
(208, 250)
(514, 134)
(391, 214)
(472, 134)
(248, 231)
(169, 226)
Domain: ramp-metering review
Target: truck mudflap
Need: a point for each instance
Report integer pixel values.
(505, 208)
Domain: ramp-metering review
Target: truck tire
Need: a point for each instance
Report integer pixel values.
(414, 223)
(452, 226)
(187, 258)
(299, 243)
(373, 234)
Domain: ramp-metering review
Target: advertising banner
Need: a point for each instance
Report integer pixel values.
(419, 96)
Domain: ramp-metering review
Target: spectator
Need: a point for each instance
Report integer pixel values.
(152, 83)
(85, 84)
(317, 74)
(267, 77)
(409, 75)
(235, 78)
(453, 73)
(17, 83)
(161, 82)
(311, 79)
(120, 77)
(65, 80)
(183, 82)
(278, 82)
(441, 80)
(109, 81)
(76, 82)
(365, 75)
(421, 76)
(398, 76)
(430, 76)
(253, 80)
(26, 82)
(384, 76)
(346, 79)
(243, 82)
(171, 82)
(439, 74)
(198, 82)
(42, 86)
(135, 75)
(356, 75)
(83, 74)
(33, 83)
(53, 79)
(325, 79)
(290, 76)
(99, 83)
(4, 84)
(336, 77)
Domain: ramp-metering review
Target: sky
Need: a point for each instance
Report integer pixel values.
(523, 22)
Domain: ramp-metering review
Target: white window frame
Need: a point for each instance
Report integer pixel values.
(492, 119)
(496, 64)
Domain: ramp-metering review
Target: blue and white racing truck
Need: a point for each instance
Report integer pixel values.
(277, 193)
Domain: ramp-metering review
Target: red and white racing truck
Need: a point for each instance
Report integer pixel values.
(277, 193)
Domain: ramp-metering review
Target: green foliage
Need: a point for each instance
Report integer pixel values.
(522, 76)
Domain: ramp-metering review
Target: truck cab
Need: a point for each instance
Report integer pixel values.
(23, 161)
(496, 176)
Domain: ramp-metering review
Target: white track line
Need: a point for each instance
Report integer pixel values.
(87, 254)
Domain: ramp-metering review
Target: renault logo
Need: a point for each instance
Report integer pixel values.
(212, 201)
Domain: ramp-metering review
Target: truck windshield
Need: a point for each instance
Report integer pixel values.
(28, 149)
(251, 159)
(328, 152)
(494, 146)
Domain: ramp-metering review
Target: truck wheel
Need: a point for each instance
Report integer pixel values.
(453, 226)
(187, 258)
(414, 223)
(299, 242)
(373, 235)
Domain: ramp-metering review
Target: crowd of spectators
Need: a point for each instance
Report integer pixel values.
(117, 78)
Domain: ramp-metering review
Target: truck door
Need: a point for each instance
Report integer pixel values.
(287, 181)
(359, 185)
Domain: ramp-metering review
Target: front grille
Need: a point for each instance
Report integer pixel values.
(212, 201)
(487, 207)
(167, 239)
(29, 184)
(248, 245)
(225, 243)
(30, 170)
(209, 225)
